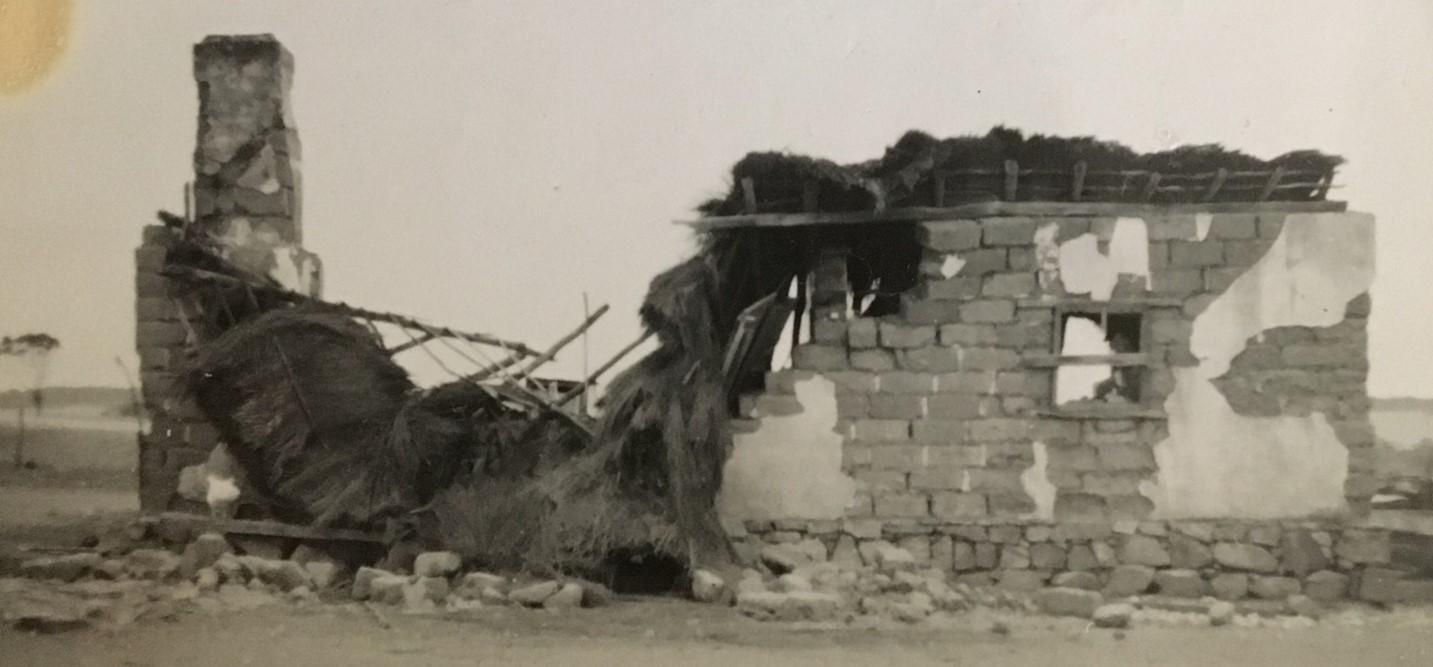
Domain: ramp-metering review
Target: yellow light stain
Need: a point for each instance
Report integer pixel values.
(33, 36)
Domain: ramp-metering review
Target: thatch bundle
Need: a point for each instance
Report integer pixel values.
(328, 429)
(903, 175)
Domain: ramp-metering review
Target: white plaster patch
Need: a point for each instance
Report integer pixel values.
(1037, 485)
(1219, 464)
(1086, 270)
(791, 466)
(1202, 221)
(1047, 254)
(951, 266)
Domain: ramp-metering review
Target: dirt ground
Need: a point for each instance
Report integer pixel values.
(674, 632)
(53, 505)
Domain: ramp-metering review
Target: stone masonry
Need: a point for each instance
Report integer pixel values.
(246, 197)
(960, 452)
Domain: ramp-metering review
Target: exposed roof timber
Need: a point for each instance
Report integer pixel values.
(991, 209)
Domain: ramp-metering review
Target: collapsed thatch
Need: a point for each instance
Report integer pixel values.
(903, 175)
(328, 429)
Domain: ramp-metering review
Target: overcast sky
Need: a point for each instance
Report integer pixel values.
(482, 164)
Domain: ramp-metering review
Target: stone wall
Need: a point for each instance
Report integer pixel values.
(246, 198)
(953, 412)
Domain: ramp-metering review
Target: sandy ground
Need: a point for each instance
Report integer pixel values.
(672, 632)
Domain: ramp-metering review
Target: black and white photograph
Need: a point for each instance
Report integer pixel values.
(716, 332)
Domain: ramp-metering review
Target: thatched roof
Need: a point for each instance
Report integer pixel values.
(973, 168)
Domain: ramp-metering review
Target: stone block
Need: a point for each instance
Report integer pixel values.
(1008, 285)
(1127, 580)
(1243, 254)
(1364, 547)
(1022, 581)
(969, 335)
(1172, 228)
(828, 331)
(1326, 586)
(906, 382)
(936, 479)
(989, 481)
(1188, 553)
(884, 406)
(1126, 456)
(941, 431)
(1245, 557)
(1143, 550)
(955, 406)
(819, 357)
(931, 311)
(950, 289)
(1236, 226)
(902, 456)
(930, 359)
(1300, 554)
(984, 359)
(1081, 558)
(1047, 556)
(1062, 601)
(1275, 588)
(872, 360)
(1177, 282)
(903, 336)
(1180, 583)
(902, 505)
(888, 430)
(1196, 254)
(1080, 508)
(862, 333)
(987, 311)
(1008, 231)
(1230, 586)
(950, 235)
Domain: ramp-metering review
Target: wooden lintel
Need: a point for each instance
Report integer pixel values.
(271, 528)
(1001, 208)
(1053, 360)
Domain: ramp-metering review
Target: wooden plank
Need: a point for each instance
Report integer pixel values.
(748, 194)
(992, 209)
(592, 379)
(1106, 411)
(1218, 182)
(1150, 186)
(271, 528)
(1077, 182)
(1121, 360)
(1273, 182)
(1122, 305)
(1012, 179)
(1324, 184)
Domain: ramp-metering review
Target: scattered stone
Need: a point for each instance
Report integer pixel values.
(534, 595)
(1264, 608)
(239, 597)
(791, 583)
(1173, 605)
(1075, 602)
(47, 612)
(890, 558)
(387, 588)
(321, 573)
(567, 596)
(154, 564)
(1326, 586)
(1230, 586)
(1245, 557)
(363, 581)
(491, 595)
(962, 557)
(1180, 583)
(207, 579)
(1127, 580)
(436, 564)
(783, 558)
(416, 600)
(1113, 615)
(1221, 613)
(1275, 588)
(269, 548)
(1305, 606)
(206, 549)
(477, 581)
(230, 569)
(303, 594)
(1082, 580)
(1143, 550)
(759, 604)
(751, 582)
(69, 567)
(919, 548)
(435, 589)
(707, 586)
(594, 594)
(286, 575)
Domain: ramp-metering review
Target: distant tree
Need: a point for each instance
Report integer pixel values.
(36, 348)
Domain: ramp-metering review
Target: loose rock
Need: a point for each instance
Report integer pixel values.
(69, 567)
(1127, 580)
(436, 564)
(707, 586)
(568, 596)
(1113, 615)
(1075, 602)
(1221, 613)
(153, 564)
(1180, 583)
(535, 594)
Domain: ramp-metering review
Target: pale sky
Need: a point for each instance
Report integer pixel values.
(481, 164)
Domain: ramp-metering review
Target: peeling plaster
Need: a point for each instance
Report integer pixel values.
(1218, 464)
(791, 466)
(1202, 222)
(1037, 485)
(1084, 269)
